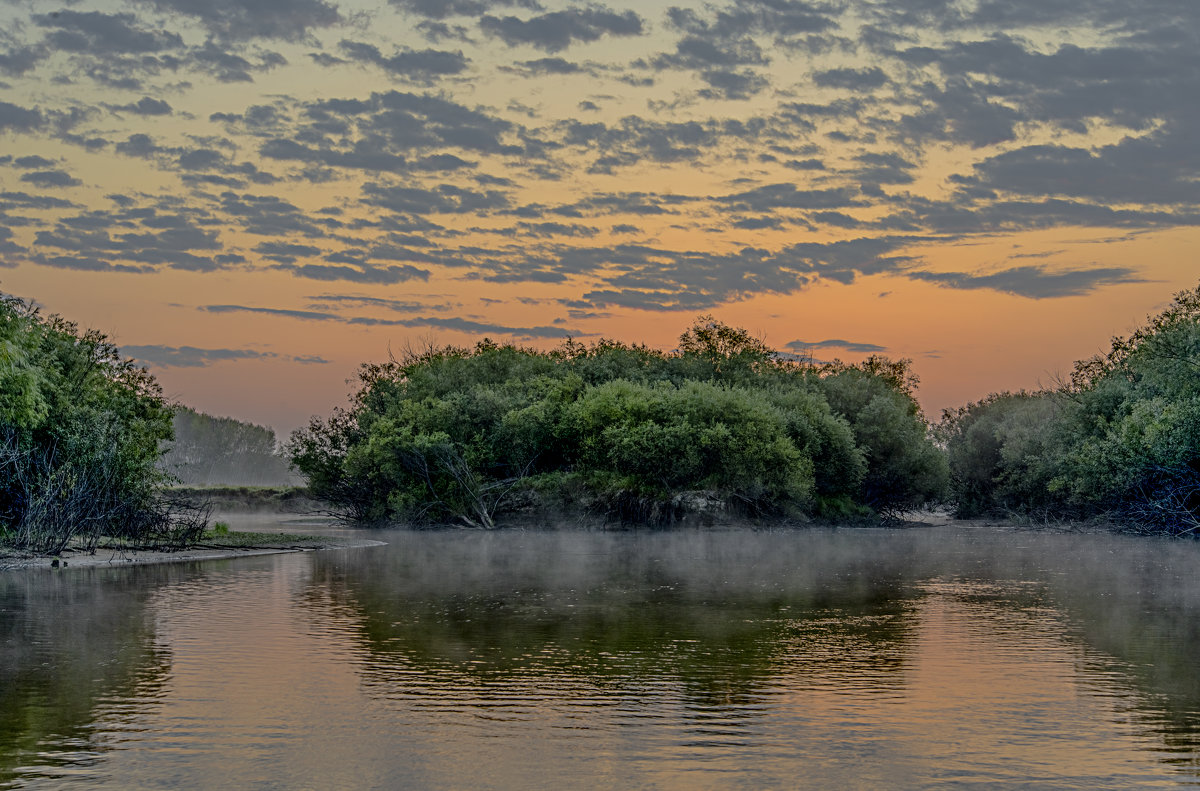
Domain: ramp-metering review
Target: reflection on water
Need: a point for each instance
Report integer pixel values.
(928, 658)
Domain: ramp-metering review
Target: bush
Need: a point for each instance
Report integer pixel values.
(80, 435)
(904, 469)
(462, 435)
(1120, 440)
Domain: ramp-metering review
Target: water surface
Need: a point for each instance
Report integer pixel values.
(855, 658)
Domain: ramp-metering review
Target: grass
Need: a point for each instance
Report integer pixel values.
(227, 539)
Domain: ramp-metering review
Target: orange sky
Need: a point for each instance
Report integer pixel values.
(254, 197)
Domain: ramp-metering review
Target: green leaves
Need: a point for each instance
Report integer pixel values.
(1121, 439)
(22, 401)
(81, 431)
(460, 435)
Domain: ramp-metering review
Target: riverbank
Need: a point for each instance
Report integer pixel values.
(233, 545)
(266, 537)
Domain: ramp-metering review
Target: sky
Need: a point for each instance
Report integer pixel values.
(253, 197)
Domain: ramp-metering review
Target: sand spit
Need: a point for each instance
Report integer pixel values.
(111, 557)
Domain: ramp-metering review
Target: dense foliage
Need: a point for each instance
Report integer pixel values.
(451, 434)
(80, 435)
(221, 450)
(1120, 439)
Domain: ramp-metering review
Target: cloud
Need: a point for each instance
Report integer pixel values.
(268, 215)
(851, 79)
(423, 66)
(442, 199)
(286, 253)
(730, 84)
(443, 9)
(549, 229)
(240, 20)
(788, 196)
(97, 33)
(651, 278)
(765, 128)
(549, 66)
(50, 178)
(962, 112)
(303, 315)
(32, 161)
(193, 357)
(143, 237)
(23, 200)
(702, 52)
(369, 156)
(1034, 282)
(229, 66)
(834, 343)
(643, 204)
(635, 139)
(19, 119)
(88, 263)
(474, 327)
(437, 32)
(189, 356)
(390, 132)
(361, 301)
(889, 168)
(145, 106)
(138, 145)
(1157, 169)
(991, 215)
(362, 273)
(456, 324)
(18, 60)
(719, 44)
(557, 30)
(743, 17)
(8, 246)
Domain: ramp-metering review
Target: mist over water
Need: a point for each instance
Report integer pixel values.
(928, 658)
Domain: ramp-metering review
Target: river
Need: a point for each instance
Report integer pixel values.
(933, 657)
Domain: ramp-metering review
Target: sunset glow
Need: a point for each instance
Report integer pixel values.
(254, 196)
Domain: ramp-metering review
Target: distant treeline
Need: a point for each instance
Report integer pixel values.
(80, 434)
(211, 450)
(464, 435)
(1120, 439)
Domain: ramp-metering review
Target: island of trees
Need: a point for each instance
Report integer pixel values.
(722, 424)
(464, 435)
(634, 433)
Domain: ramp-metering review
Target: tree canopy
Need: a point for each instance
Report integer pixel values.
(81, 431)
(1120, 438)
(455, 434)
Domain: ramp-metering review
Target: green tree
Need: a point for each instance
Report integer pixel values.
(1120, 439)
(904, 469)
(81, 429)
(455, 434)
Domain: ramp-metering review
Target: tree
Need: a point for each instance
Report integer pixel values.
(222, 450)
(904, 469)
(461, 435)
(1119, 440)
(81, 430)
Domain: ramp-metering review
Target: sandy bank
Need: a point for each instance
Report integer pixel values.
(114, 556)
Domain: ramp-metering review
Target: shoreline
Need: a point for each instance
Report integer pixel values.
(115, 557)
